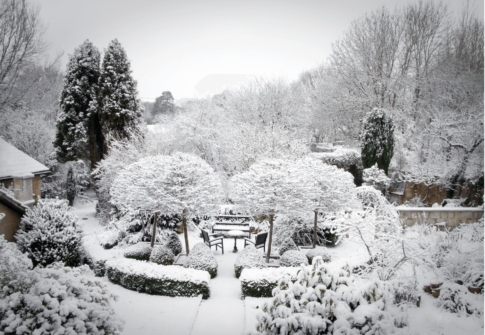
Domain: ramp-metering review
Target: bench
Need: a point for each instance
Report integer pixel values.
(225, 223)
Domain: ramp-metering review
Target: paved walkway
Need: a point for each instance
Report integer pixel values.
(223, 312)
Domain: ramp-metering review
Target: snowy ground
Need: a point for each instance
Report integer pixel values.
(225, 312)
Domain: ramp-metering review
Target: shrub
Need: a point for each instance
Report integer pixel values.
(139, 251)
(14, 269)
(201, 258)
(293, 258)
(174, 244)
(287, 244)
(457, 299)
(108, 238)
(50, 233)
(162, 255)
(249, 258)
(300, 229)
(172, 281)
(259, 283)
(327, 300)
(406, 293)
(99, 268)
(318, 252)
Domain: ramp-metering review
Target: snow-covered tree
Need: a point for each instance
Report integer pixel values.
(119, 106)
(178, 184)
(70, 186)
(270, 187)
(164, 104)
(377, 139)
(376, 178)
(78, 124)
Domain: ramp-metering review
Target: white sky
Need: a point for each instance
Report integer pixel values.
(195, 47)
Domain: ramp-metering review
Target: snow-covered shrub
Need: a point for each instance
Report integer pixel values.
(139, 251)
(99, 268)
(173, 243)
(108, 238)
(249, 258)
(457, 299)
(322, 252)
(300, 229)
(415, 202)
(328, 300)
(406, 292)
(376, 178)
(14, 269)
(458, 202)
(162, 255)
(50, 232)
(171, 280)
(288, 244)
(259, 283)
(201, 258)
(293, 258)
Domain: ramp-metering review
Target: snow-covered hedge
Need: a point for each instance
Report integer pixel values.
(201, 258)
(140, 251)
(329, 300)
(173, 281)
(99, 268)
(260, 283)
(52, 300)
(174, 244)
(293, 258)
(288, 244)
(249, 258)
(50, 232)
(162, 255)
(457, 299)
(109, 238)
(318, 252)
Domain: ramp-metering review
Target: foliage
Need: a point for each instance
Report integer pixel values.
(288, 244)
(50, 233)
(259, 283)
(457, 299)
(376, 178)
(328, 300)
(14, 269)
(293, 258)
(162, 255)
(320, 252)
(377, 140)
(163, 104)
(172, 281)
(249, 258)
(201, 258)
(173, 243)
(71, 186)
(139, 251)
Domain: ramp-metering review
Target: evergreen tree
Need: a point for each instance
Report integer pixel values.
(70, 186)
(377, 140)
(78, 105)
(119, 107)
(164, 104)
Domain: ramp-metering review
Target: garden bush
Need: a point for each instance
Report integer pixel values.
(249, 258)
(99, 268)
(259, 283)
(457, 299)
(140, 251)
(172, 281)
(50, 232)
(201, 258)
(288, 244)
(293, 258)
(174, 244)
(108, 238)
(162, 255)
(328, 300)
(318, 252)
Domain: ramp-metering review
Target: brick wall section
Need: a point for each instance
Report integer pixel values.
(452, 217)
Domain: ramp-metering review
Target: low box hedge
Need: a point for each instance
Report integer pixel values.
(259, 283)
(151, 278)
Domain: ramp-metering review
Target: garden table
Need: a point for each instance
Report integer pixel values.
(236, 234)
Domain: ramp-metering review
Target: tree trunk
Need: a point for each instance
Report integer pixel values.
(270, 237)
(315, 230)
(184, 220)
(154, 234)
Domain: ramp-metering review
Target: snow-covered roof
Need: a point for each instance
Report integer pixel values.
(14, 162)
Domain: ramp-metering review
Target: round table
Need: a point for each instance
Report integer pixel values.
(236, 234)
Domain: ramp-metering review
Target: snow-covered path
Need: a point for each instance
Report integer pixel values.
(223, 312)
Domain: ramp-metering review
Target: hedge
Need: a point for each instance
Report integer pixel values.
(201, 258)
(140, 251)
(249, 258)
(259, 283)
(171, 280)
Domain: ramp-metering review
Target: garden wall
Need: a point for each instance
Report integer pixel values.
(452, 216)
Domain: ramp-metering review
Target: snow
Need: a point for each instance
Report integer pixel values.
(15, 162)
(438, 209)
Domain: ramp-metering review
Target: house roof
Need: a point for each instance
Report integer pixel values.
(14, 162)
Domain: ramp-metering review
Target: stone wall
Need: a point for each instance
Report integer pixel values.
(452, 216)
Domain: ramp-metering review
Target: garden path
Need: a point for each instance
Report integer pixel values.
(223, 312)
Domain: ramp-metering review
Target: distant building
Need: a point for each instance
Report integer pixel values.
(20, 175)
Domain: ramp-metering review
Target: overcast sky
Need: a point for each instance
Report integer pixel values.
(195, 47)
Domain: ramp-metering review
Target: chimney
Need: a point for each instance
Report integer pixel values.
(22, 188)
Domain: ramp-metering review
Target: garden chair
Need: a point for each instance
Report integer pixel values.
(260, 241)
(212, 241)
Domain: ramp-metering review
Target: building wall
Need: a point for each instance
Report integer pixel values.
(10, 223)
(432, 216)
(35, 186)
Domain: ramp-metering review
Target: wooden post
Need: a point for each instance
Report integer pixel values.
(184, 220)
(154, 234)
(270, 237)
(315, 230)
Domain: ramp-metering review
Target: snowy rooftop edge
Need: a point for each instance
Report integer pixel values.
(15, 162)
(439, 209)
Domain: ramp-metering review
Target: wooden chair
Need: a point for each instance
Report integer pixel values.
(260, 241)
(212, 241)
